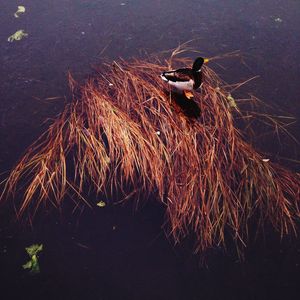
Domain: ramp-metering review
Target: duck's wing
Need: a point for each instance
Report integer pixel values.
(178, 75)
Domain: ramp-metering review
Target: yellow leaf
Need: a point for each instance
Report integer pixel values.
(101, 204)
(21, 10)
(231, 101)
(18, 35)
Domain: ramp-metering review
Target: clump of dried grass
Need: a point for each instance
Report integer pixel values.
(125, 130)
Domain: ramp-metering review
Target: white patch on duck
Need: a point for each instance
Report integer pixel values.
(183, 85)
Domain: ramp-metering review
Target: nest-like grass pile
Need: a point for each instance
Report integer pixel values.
(126, 132)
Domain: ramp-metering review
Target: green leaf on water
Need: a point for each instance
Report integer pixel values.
(101, 204)
(21, 10)
(34, 249)
(33, 264)
(18, 35)
(28, 265)
(231, 101)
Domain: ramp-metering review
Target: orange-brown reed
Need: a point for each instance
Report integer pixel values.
(125, 130)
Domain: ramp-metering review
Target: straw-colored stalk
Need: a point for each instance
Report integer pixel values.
(127, 131)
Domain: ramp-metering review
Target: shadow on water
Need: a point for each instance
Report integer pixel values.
(118, 252)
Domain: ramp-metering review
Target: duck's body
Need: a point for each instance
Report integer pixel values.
(183, 79)
(187, 79)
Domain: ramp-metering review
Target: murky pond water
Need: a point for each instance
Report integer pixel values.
(117, 252)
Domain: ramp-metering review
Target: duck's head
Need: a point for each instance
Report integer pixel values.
(199, 61)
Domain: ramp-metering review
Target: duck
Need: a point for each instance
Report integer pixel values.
(186, 80)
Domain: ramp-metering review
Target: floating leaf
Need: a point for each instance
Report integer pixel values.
(33, 264)
(28, 265)
(34, 249)
(231, 101)
(18, 35)
(101, 204)
(21, 10)
(278, 20)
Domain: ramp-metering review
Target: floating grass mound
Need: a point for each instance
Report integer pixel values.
(125, 131)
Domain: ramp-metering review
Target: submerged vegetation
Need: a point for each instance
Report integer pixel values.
(123, 131)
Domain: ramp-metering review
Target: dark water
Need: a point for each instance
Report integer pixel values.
(117, 252)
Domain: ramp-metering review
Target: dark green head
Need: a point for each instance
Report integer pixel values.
(198, 64)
